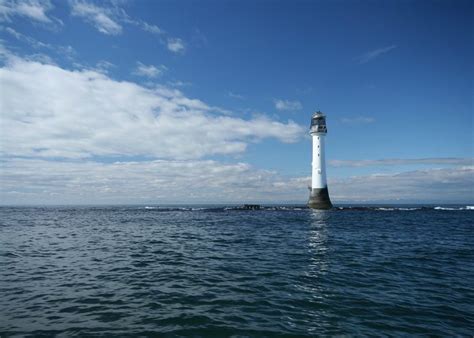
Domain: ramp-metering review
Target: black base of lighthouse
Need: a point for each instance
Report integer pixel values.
(319, 199)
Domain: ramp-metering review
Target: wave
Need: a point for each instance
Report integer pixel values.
(383, 208)
(301, 208)
(445, 208)
(398, 209)
(467, 207)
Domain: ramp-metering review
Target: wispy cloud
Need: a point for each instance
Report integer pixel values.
(397, 161)
(173, 44)
(27, 39)
(149, 71)
(235, 96)
(110, 19)
(357, 120)
(65, 51)
(154, 29)
(104, 66)
(179, 83)
(373, 54)
(287, 104)
(102, 18)
(32, 9)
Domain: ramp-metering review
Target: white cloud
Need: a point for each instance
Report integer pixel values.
(373, 54)
(78, 114)
(287, 105)
(32, 9)
(449, 185)
(134, 182)
(40, 181)
(445, 185)
(357, 120)
(109, 20)
(175, 45)
(398, 161)
(102, 18)
(148, 71)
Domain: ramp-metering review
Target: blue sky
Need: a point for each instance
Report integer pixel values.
(204, 102)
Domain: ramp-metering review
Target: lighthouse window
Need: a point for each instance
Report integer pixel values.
(318, 137)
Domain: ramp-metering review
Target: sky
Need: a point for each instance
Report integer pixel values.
(192, 102)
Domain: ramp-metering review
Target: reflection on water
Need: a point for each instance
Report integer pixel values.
(317, 239)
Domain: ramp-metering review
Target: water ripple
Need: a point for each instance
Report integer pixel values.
(225, 271)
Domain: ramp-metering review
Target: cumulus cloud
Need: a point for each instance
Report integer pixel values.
(373, 54)
(84, 113)
(32, 9)
(287, 105)
(102, 18)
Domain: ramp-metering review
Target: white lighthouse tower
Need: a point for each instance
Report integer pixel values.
(319, 194)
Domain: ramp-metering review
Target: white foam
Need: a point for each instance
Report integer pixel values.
(467, 207)
(397, 209)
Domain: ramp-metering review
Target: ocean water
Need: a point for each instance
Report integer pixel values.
(215, 271)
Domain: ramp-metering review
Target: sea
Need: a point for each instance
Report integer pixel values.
(220, 271)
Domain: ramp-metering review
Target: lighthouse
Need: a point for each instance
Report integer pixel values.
(319, 194)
